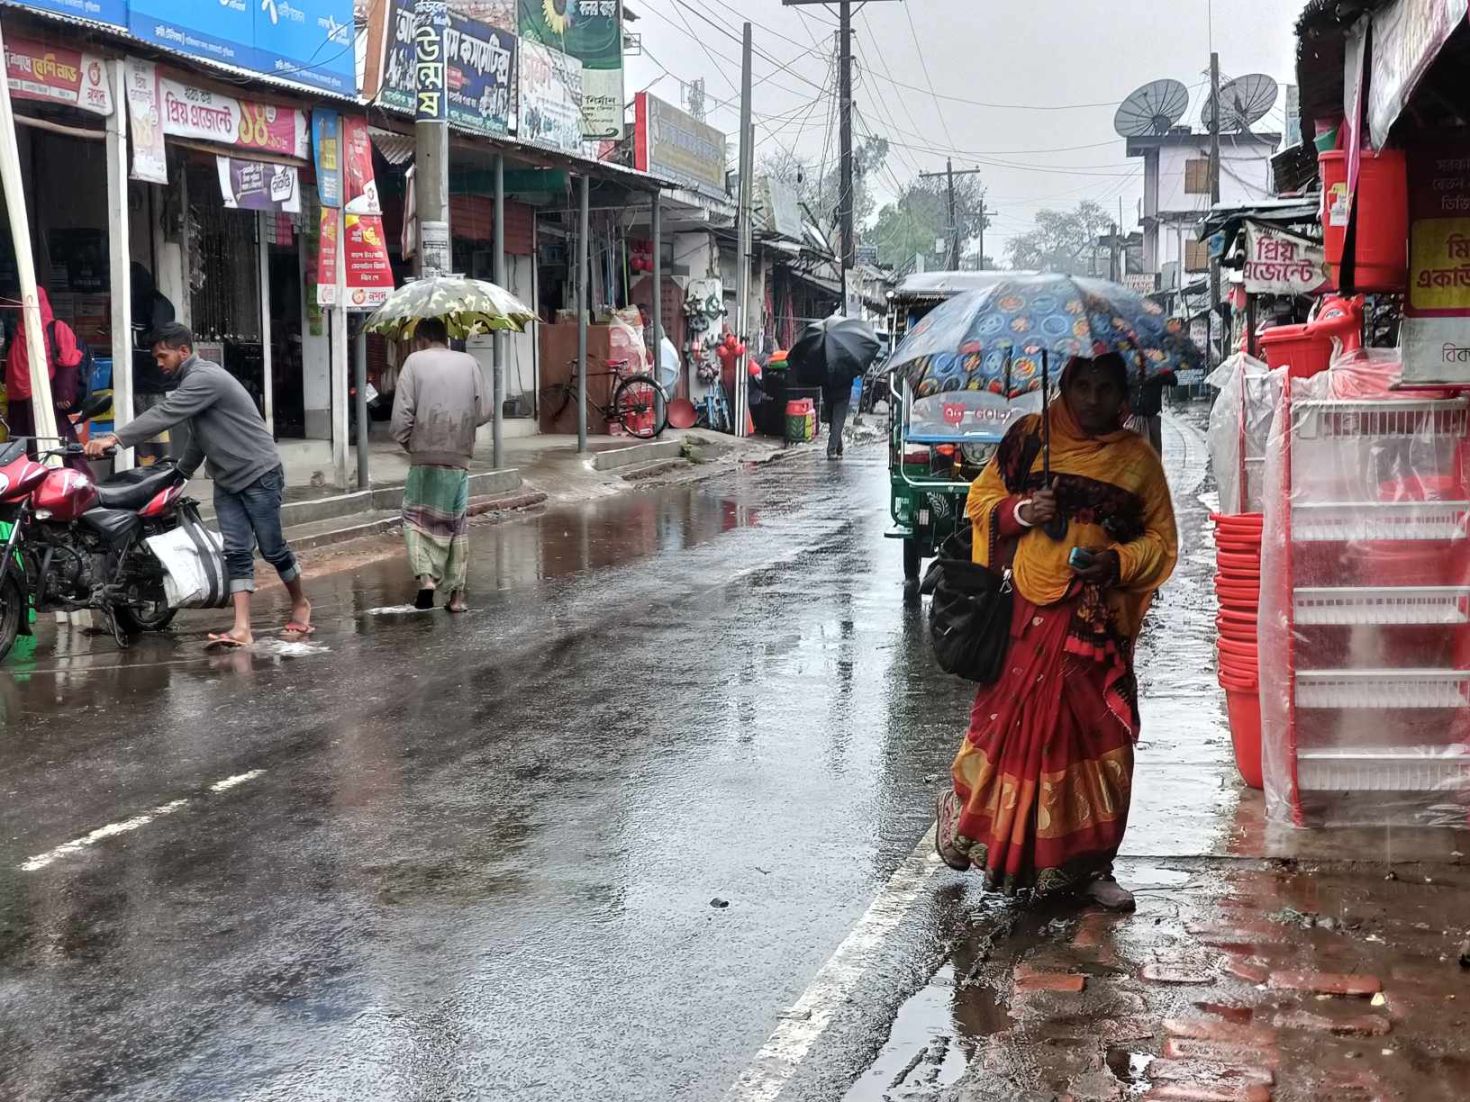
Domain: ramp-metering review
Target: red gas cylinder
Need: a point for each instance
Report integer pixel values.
(1381, 255)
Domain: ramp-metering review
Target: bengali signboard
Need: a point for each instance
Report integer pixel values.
(308, 42)
(54, 74)
(550, 111)
(326, 152)
(259, 185)
(670, 143)
(145, 121)
(1435, 334)
(591, 31)
(198, 113)
(479, 76)
(358, 229)
(1282, 263)
(112, 12)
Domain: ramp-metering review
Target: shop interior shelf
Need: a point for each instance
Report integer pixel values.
(1401, 769)
(1382, 689)
(1418, 604)
(1323, 418)
(1378, 520)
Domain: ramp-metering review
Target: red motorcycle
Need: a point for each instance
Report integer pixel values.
(75, 544)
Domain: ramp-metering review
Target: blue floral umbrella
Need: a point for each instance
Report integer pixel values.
(1006, 338)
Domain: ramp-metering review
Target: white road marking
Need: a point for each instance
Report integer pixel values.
(239, 778)
(76, 845)
(112, 830)
(808, 1018)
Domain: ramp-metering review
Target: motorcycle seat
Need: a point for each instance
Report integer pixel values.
(136, 488)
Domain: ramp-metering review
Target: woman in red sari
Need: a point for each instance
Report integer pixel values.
(1042, 781)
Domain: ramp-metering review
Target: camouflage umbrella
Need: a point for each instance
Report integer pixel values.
(467, 307)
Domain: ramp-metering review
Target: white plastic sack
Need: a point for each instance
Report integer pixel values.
(193, 565)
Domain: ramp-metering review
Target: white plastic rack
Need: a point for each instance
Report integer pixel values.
(1334, 521)
(1399, 769)
(1318, 419)
(1382, 605)
(1382, 689)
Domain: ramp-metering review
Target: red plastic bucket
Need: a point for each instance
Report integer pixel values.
(1239, 521)
(1236, 623)
(1297, 349)
(1235, 648)
(1234, 591)
(1238, 562)
(1381, 250)
(1244, 708)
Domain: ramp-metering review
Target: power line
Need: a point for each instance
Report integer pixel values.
(929, 80)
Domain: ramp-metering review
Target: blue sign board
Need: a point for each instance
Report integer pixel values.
(215, 30)
(479, 68)
(112, 12)
(307, 42)
(326, 149)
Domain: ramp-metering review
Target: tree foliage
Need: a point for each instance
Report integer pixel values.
(818, 189)
(918, 220)
(1061, 241)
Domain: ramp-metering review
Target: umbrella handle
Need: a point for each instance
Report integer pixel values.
(1056, 528)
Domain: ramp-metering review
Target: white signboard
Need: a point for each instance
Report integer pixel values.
(551, 98)
(145, 117)
(1282, 263)
(1407, 36)
(197, 113)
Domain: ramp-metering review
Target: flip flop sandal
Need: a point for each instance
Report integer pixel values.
(224, 642)
(945, 818)
(293, 628)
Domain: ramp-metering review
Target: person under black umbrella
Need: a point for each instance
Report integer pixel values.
(834, 353)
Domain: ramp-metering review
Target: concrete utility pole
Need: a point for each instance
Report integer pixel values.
(499, 339)
(845, 186)
(431, 137)
(584, 297)
(742, 276)
(1215, 290)
(954, 223)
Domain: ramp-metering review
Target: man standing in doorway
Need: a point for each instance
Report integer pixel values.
(440, 400)
(229, 436)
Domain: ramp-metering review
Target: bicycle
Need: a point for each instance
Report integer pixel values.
(638, 403)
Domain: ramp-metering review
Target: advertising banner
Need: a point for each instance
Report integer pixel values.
(479, 69)
(326, 151)
(369, 274)
(671, 143)
(308, 42)
(328, 225)
(112, 12)
(259, 185)
(550, 110)
(591, 31)
(190, 112)
(1407, 37)
(53, 74)
(430, 77)
(145, 121)
(311, 42)
(1435, 334)
(359, 189)
(1282, 263)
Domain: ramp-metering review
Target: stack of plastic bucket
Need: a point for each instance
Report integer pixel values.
(1238, 585)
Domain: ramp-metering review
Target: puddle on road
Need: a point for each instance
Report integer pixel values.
(932, 1038)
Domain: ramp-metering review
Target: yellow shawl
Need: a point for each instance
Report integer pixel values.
(1115, 480)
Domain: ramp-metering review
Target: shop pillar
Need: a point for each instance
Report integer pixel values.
(498, 339)
(584, 272)
(656, 228)
(339, 359)
(119, 253)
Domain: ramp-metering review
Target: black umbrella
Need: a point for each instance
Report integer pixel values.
(834, 351)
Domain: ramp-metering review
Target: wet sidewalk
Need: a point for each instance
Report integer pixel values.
(1262, 963)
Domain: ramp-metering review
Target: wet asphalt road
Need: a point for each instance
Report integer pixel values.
(452, 858)
(476, 857)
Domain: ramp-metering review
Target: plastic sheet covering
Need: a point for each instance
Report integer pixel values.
(1240, 423)
(1364, 622)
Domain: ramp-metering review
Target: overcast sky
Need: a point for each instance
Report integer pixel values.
(1041, 53)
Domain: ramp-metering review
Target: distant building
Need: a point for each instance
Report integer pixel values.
(1176, 193)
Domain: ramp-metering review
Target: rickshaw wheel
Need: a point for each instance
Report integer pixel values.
(912, 559)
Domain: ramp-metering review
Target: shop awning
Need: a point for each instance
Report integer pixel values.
(396, 148)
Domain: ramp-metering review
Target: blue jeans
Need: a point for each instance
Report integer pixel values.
(253, 516)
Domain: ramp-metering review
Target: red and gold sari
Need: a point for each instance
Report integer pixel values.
(1043, 779)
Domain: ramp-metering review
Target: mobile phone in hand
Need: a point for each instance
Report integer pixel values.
(1080, 558)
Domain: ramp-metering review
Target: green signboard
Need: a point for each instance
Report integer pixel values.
(592, 32)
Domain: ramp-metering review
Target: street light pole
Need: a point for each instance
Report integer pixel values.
(745, 237)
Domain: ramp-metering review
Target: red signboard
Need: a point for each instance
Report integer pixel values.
(53, 74)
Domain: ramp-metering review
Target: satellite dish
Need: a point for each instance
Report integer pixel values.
(1246, 100)
(1152, 109)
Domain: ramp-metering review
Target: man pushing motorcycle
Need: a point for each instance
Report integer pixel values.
(229, 436)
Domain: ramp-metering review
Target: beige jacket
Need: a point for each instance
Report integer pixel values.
(441, 399)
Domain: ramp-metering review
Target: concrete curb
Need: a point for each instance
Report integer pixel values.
(320, 533)
(379, 499)
(614, 458)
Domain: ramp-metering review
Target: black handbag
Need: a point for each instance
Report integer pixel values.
(969, 611)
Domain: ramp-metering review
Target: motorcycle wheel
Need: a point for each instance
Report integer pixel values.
(12, 614)
(155, 615)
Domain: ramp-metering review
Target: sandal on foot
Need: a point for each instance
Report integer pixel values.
(224, 642)
(294, 628)
(945, 818)
(1108, 894)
